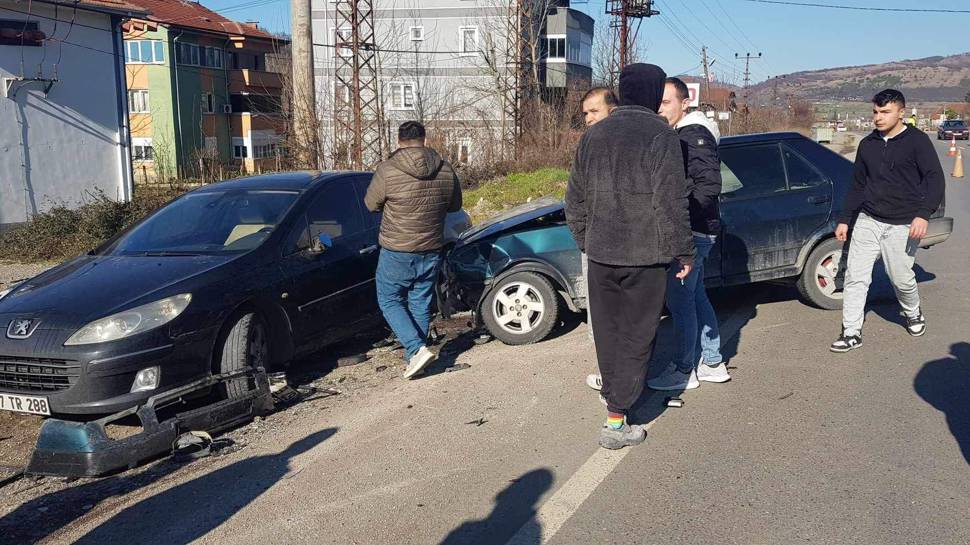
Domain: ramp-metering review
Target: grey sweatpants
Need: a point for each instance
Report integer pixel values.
(872, 239)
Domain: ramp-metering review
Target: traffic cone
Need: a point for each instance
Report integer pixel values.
(953, 147)
(958, 165)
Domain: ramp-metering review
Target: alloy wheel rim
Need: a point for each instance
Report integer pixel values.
(518, 308)
(825, 274)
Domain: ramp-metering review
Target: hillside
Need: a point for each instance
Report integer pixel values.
(929, 79)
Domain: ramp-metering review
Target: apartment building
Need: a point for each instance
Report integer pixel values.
(442, 61)
(199, 92)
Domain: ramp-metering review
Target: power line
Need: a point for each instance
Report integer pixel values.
(858, 8)
(735, 24)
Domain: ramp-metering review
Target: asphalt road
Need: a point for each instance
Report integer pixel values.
(803, 446)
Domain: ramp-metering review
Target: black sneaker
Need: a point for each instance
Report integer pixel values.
(846, 343)
(916, 326)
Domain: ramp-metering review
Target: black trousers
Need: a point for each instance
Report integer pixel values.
(627, 302)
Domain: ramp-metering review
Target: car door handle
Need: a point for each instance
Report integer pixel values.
(819, 199)
(368, 250)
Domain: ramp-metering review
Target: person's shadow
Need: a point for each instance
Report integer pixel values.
(945, 384)
(191, 510)
(515, 507)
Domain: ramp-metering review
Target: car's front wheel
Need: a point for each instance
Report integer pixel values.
(522, 309)
(245, 345)
(817, 283)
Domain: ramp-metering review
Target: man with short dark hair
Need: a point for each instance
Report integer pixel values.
(897, 185)
(626, 207)
(694, 317)
(415, 188)
(597, 103)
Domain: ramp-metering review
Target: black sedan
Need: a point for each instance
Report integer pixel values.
(250, 272)
(954, 128)
(780, 198)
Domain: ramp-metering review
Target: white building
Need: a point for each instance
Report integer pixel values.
(441, 62)
(63, 104)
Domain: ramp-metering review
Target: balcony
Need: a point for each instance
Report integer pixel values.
(254, 81)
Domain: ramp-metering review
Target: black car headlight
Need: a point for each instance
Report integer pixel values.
(132, 321)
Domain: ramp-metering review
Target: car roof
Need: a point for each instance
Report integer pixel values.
(283, 181)
(760, 137)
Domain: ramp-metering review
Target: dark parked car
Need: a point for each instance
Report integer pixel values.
(249, 272)
(954, 128)
(781, 195)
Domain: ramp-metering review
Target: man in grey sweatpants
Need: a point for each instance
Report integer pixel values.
(898, 184)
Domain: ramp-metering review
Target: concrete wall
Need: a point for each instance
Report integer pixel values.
(63, 146)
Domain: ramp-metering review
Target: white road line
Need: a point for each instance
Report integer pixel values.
(561, 506)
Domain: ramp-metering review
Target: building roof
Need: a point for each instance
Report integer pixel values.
(194, 15)
(119, 7)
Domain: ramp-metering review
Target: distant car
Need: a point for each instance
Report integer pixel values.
(248, 272)
(781, 196)
(954, 128)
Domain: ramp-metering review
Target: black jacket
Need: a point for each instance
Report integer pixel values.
(626, 202)
(703, 167)
(895, 181)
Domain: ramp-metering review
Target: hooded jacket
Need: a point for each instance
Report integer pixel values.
(699, 138)
(626, 200)
(415, 188)
(895, 180)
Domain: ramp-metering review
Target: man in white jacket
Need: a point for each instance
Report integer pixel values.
(687, 300)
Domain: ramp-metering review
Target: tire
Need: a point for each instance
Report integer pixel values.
(245, 345)
(817, 283)
(516, 326)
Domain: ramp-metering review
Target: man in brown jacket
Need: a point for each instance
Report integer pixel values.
(415, 188)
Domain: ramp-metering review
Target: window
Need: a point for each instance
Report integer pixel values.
(402, 96)
(138, 101)
(460, 150)
(213, 57)
(751, 171)
(258, 104)
(557, 47)
(239, 150)
(211, 148)
(261, 151)
(469, 40)
(207, 105)
(20, 32)
(144, 52)
(335, 211)
(801, 174)
(141, 149)
(194, 55)
(343, 36)
(417, 33)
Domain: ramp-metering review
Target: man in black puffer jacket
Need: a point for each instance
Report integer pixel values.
(626, 206)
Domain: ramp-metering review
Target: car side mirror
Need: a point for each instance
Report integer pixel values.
(320, 244)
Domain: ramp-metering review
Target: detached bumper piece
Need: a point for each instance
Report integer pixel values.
(84, 449)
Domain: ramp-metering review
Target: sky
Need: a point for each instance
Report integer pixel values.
(790, 38)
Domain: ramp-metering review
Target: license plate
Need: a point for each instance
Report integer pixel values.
(24, 404)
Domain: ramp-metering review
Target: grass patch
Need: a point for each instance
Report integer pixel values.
(497, 195)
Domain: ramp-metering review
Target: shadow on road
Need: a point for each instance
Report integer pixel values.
(945, 384)
(514, 508)
(191, 510)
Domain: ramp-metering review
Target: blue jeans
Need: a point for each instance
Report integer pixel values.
(405, 293)
(693, 314)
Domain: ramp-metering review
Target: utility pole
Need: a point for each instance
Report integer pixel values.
(748, 57)
(303, 96)
(358, 113)
(511, 78)
(622, 12)
(707, 72)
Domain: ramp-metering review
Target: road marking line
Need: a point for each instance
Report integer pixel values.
(561, 506)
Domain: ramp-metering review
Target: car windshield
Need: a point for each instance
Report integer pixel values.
(212, 222)
(954, 124)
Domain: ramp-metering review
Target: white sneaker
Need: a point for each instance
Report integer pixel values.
(419, 361)
(717, 373)
(594, 381)
(675, 380)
